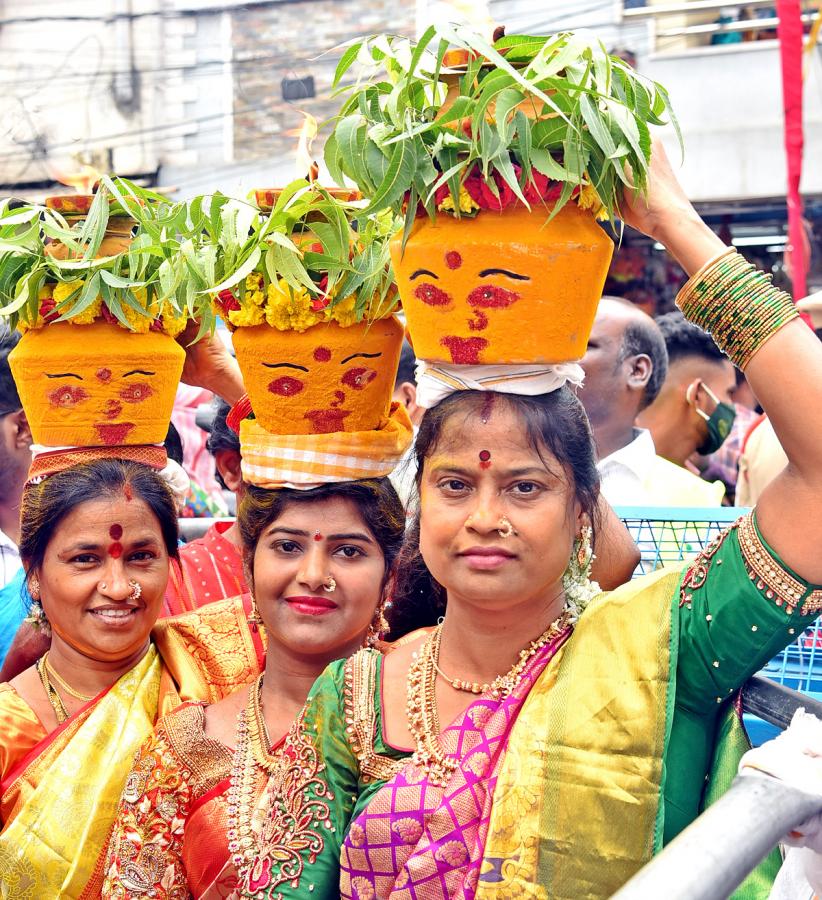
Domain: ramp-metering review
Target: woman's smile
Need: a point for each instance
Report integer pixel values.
(310, 605)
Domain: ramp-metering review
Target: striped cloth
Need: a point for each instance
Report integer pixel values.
(305, 461)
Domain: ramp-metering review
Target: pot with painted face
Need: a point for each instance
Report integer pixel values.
(325, 379)
(317, 361)
(96, 385)
(502, 287)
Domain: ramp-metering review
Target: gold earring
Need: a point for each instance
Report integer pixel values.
(583, 545)
(378, 626)
(34, 588)
(254, 619)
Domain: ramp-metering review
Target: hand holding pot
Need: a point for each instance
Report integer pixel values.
(667, 215)
(209, 365)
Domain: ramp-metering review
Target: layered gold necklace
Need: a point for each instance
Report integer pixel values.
(421, 696)
(47, 673)
(253, 752)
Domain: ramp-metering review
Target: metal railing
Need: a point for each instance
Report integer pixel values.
(715, 854)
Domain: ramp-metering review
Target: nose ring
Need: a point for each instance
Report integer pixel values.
(506, 529)
(136, 590)
(330, 584)
(103, 586)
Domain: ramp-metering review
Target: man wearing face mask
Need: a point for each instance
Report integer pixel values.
(693, 412)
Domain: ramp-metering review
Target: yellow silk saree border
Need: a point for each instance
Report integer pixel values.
(52, 846)
(577, 805)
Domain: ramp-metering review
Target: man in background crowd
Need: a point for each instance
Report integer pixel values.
(693, 412)
(625, 366)
(211, 567)
(405, 392)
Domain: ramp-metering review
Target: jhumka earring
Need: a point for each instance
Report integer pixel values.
(254, 619)
(330, 584)
(378, 626)
(37, 615)
(576, 581)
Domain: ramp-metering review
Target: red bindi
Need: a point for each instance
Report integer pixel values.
(115, 532)
(453, 260)
(115, 550)
(322, 354)
(317, 536)
(485, 459)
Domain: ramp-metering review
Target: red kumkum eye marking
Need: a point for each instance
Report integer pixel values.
(453, 260)
(115, 532)
(431, 295)
(67, 396)
(136, 393)
(359, 378)
(286, 386)
(115, 550)
(322, 354)
(489, 296)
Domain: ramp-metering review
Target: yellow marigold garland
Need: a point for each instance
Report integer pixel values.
(294, 309)
(172, 324)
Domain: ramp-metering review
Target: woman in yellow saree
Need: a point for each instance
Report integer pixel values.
(96, 543)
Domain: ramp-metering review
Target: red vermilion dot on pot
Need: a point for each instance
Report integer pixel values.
(322, 354)
(453, 259)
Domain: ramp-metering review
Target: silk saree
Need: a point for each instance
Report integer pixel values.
(613, 746)
(171, 836)
(59, 792)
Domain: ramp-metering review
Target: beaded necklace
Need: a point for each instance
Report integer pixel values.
(421, 705)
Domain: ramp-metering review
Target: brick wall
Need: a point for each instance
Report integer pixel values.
(295, 34)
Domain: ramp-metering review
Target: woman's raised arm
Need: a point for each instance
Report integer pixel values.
(781, 357)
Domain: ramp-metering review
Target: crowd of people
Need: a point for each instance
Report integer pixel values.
(416, 662)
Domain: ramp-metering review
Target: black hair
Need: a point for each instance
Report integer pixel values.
(408, 366)
(375, 498)
(682, 339)
(174, 444)
(9, 398)
(555, 422)
(643, 336)
(221, 436)
(47, 503)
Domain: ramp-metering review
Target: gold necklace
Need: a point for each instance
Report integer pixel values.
(258, 730)
(421, 705)
(61, 683)
(252, 751)
(52, 696)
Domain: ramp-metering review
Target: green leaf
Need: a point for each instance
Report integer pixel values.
(346, 60)
(597, 128)
(395, 182)
(237, 276)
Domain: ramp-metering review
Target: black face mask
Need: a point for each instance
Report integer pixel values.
(720, 422)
